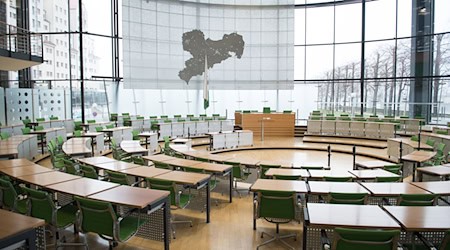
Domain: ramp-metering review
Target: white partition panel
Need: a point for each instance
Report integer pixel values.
(329, 127)
(19, 105)
(371, 129)
(314, 126)
(52, 102)
(2, 107)
(343, 128)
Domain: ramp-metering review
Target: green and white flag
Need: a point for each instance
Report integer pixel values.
(205, 86)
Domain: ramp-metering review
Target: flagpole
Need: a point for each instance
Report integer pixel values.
(205, 85)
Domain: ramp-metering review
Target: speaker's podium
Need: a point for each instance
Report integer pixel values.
(266, 123)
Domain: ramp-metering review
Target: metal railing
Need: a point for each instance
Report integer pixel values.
(15, 39)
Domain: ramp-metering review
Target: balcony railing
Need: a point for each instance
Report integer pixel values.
(18, 40)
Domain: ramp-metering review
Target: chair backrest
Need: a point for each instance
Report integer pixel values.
(430, 142)
(4, 135)
(440, 149)
(77, 125)
(96, 216)
(8, 195)
(442, 132)
(113, 117)
(70, 167)
(276, 205)
(193, 170)
(40, 119)
(352, 239)
(135, 134)
(337, 179)
(139, 161)
(287, 111)
(417, 200)
(117, 177)
(264, 168)
(89, 171)
(26, 121)
(164, 185)
(393, 168)
(41, 205)
(90, 121)
(348, 198)
(266, 110)
(109, 126)
(39, 128)
(287, 177)
(99, 129)
(53, 118)
(161, 165)
(77, 133)
(388, 179)
(26, 131)
(414, 138)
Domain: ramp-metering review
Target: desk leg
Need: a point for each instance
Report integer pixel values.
(208, 202)
(166, 224)
(146, 142)
(414, 171)
(92, 146)
(231, 186)
(305, 230)
(254, 211)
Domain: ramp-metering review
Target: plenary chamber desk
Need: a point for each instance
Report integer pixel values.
(274, 124)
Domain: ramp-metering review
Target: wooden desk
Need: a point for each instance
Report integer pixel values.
(218, 169)
(17, 228)
(436, 187)
(320, 174)
(279, 185)
(443, 172)
(15, 163)
(19, 146)
(96, 160)
(178, 162)
(417, 157)
(158, 158)
(280, 124)
(145, 172)
(326, 187)
(77, 146)
(389, 189)
(116, 165)
(48, 178)
(428, 218)
(82, 186)
(25, 170)
(133, 148)
(195, 180)
(148, 200)
(322, 216)
(99, 140)
(368, 174)
(372, 164)
(287, 172)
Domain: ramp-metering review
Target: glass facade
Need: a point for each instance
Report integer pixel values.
(328, 37)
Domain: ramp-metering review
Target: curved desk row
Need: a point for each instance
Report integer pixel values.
(19, 146)
(186, 129)
(119, 133)
(230, 139)
(438, 138)
(146, 200)
(375, 130)
(69, 124)
(12, 129)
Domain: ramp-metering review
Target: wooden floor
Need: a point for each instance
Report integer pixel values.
(231, 223)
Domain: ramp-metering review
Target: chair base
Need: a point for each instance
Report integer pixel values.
(239, 190)
(178, 222)
(277, 237)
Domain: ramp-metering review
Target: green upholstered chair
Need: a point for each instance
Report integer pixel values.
(127, 121)
(77, 133)
(109, 126)
(4, 135)
(117, 177)
(417, 200)
(264, 168)
(99, 217)
(113, 117)
(415, 138)
(26, 122)
(177, 198)
(99, 129)
(394, 168)
(352, 239)
(266, 110)
(10, 199)
(430, 142)
(347, 198)
(337, 179)
(139, 161)
(162, 165)
(278, 208)
(41, 205)
(54, 118)
(77, 125)
(40, 119)
(135, 134)
(89, 172)
(389, 179)
(71, 167)
(287, 111)
(164, 116)
(442, 132)
(239, 174)
(287, 177)
(26, 131)
(126, 114)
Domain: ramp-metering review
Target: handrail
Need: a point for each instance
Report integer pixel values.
(19, 40)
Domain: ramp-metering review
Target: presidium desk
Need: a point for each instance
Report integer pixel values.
(272, 124)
